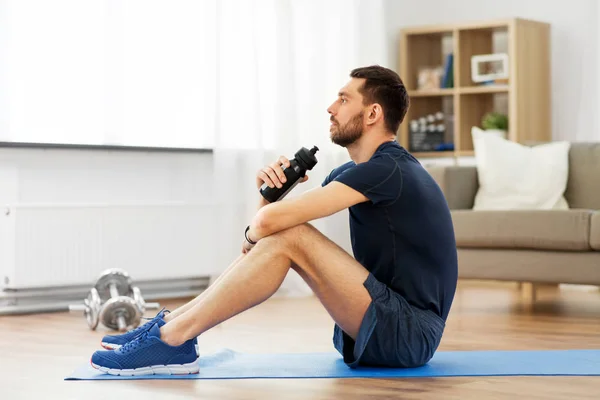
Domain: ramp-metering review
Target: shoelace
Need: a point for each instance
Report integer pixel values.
(141, 327)
(144, 328)
(132, 345)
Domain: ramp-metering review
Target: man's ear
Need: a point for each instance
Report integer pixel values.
(375, 114)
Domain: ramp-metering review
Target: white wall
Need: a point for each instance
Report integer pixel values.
(575, 49)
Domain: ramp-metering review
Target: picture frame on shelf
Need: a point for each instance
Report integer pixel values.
(489, 67)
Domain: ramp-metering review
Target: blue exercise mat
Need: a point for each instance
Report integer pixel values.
(228, 364)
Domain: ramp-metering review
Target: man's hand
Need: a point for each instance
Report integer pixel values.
(273, 174)
(246, 247)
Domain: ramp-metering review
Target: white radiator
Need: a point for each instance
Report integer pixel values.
(61, 245)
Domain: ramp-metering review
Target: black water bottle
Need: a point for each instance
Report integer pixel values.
(303, 161)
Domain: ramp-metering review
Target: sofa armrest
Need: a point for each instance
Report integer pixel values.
(458, 183)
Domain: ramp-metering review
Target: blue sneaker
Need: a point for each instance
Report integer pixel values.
(113, 342)
(148, 355)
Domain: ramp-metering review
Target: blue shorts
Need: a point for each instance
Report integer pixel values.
(392, 334)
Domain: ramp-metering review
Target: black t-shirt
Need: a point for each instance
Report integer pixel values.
(404, 235)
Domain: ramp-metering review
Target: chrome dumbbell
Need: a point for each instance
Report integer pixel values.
(119, 311)
(121, 305)
(91, 308)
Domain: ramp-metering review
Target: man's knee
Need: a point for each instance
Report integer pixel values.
(296, 235)
(291, 238)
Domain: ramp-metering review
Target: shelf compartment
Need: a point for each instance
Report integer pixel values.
(472, 107)
(422, 107)
(427, 50)
(479, 41)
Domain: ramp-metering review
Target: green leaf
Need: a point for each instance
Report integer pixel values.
(494, 120)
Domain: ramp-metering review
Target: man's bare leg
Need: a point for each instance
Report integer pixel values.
(181, 309)
(335, 277)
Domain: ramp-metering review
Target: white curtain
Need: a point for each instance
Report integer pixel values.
(118, 72)
(280, 64)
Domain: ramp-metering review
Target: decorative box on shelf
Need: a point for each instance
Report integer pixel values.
(428, 133)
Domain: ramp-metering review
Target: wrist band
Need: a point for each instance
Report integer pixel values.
(246, 235)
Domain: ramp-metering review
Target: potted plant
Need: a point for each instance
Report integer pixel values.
(495, 123)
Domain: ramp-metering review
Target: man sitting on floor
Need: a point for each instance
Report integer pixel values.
(389, 303)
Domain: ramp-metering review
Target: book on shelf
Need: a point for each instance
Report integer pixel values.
(448, 76)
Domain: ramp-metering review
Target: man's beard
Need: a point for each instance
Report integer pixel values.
(349, 133)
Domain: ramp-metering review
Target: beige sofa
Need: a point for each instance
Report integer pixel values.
(560, 246)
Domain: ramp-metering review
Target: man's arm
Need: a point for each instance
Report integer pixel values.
(314, 204)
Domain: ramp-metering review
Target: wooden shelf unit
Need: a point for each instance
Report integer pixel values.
(525, 98)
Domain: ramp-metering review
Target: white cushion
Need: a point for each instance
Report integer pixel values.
(513, 176)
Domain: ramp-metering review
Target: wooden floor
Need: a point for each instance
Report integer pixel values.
(38, 351)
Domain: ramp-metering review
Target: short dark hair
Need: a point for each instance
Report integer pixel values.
(384, 86)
